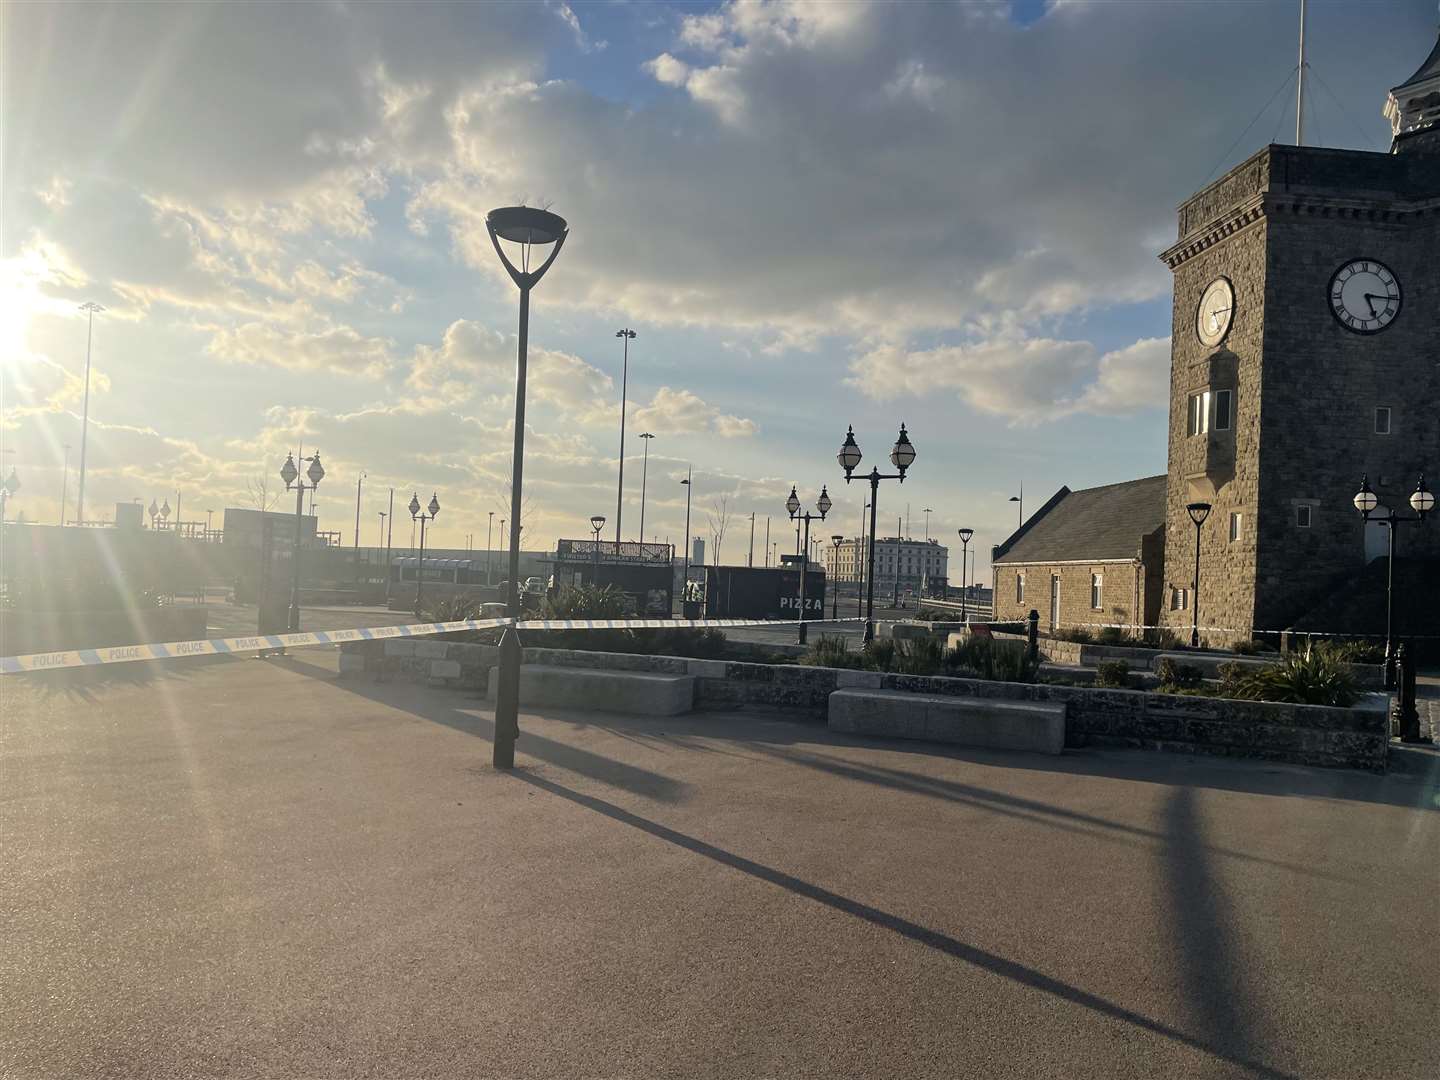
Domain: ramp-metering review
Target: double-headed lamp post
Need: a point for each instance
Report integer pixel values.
(837, 540)
(902, 456)
(792, 504)
(965, 535)
(291, 475)
(417, 515)
(529, 227)
(1422, 501)
(596, 524)
(1198, 512)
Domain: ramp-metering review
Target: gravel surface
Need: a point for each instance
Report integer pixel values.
(245, 868)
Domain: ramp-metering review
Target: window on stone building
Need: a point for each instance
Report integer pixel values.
(1019, 588)
(1097, 588)
(1382, 420)
(1302, 516)
(1222, 409)
(1179, 599)
(1237, 525)
(1199, 413)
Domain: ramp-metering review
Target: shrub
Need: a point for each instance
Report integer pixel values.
(919, 656)
(1113, 635)
(1161, 637)
(1353, 652)
(1113, 674)
(450, 609)
(1177, 676)
(831, 650)
(987, 658)
(879, 654)
(586, 602)
(1318, 677)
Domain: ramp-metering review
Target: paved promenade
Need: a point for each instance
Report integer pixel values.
(245, 868)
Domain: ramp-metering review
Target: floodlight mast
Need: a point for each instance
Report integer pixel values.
(527, 226)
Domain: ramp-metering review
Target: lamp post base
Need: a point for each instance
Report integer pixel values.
(507, 700)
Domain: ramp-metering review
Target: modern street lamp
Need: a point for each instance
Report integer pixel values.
(417, 515)
(596, 524)
(1020, 509)
(489, 558)
(792, 504)
(291, 475)
(1198, 512)
(527, 226)
(90, 308)
(965, 535)
(927, 512)
(835, 592)
(65, 483)
(1422, 501)
(688, 488)
(902, 456)
(627, 335)
(644, 475)
(359, 481)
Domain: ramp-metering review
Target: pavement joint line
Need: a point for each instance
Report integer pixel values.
(175, 650)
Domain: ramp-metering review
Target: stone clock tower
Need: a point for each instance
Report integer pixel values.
(1306, 351)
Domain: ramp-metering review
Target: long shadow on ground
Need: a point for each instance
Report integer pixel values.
(1227, 1044)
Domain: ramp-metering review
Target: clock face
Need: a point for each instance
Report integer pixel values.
(1217, 307)
(1365, 296)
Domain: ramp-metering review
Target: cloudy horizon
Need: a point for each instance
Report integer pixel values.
(813, 215)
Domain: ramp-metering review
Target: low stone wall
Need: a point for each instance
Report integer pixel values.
(1302, 734)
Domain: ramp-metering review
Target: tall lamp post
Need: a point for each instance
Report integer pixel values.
(65, 484)
(792, 504)
(527, 226)
(489, 556)
(965, 535)
(90, 308)
(1422, 501)
(626, 336)
(688, 487)
(291, 475)
(1020, 508)
(417, 515)
(902, 456)
(927, 512)
(596, 524)
(1198, 512)
(359, 480)
(644, 476)
(834, 591)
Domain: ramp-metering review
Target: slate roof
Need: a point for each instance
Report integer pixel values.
(1096, 523)
(1429, 69)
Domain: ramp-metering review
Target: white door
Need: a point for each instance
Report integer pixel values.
(1054, 601)
(1377, 541)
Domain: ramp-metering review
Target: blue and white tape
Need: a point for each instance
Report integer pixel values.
(252, 643)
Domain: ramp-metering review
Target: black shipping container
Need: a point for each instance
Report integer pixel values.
(762, 592)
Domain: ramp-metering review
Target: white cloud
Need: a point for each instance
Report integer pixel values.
(338, 349)
(671, 411)
(1026, 380)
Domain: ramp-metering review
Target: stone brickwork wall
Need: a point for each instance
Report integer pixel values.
(1123, 599)
(1302, 734)
(1279, 226)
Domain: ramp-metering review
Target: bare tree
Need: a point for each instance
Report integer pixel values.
(719, 519)
(261, 493)
(502, 506)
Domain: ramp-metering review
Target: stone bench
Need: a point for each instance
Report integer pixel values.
(638, 693)
(991, 723)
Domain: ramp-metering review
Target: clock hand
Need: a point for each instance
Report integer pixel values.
(1370, 299)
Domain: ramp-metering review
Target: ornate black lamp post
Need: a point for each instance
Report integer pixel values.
(792, 504)
(1422, 501)
(1198, 512)
(902, 456)
(291, 475)
(596, 524)
(422, 518)
(529, 227)
(837, 540)
(965, 535)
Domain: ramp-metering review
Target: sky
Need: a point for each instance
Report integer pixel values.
(813, 216)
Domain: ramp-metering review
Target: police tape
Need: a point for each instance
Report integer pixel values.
(259, 643)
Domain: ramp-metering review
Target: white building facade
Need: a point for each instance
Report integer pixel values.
(917, 564)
